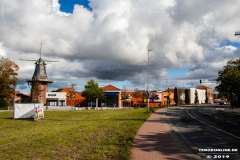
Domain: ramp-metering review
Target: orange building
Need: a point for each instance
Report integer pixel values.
(114, 98)
(168, 96)
(76, 100)
(141, 100)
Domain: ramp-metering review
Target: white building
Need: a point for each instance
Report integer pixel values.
(201, 95)
(56, 98)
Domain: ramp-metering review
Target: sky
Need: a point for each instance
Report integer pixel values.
(108, 41)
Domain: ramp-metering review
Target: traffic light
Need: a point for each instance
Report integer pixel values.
(200, 81)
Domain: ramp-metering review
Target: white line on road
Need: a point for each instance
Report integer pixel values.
(232, 122)
(212, 126)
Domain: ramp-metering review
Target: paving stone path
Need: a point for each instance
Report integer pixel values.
(154, 142)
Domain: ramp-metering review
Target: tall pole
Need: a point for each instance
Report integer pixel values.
(147, 84)
(167, 92)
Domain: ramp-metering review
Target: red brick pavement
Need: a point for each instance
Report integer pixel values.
(154, 142)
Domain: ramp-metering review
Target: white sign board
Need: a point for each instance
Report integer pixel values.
(159, 99)
(25, 110)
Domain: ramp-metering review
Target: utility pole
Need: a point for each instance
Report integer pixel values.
(167, 92)
(237, 33)
(147, 83)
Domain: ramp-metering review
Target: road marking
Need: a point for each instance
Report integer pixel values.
(232, 122)
(205, 111)
(219, 118)
(212, 126)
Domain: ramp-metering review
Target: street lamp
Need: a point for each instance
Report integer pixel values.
(147, 83)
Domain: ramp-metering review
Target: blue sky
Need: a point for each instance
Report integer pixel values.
(67, 5)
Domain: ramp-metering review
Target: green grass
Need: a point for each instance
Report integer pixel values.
(89, 134)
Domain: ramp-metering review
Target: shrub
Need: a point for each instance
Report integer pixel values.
(3, 104)
(234, 102)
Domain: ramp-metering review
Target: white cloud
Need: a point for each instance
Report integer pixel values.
(111, 41)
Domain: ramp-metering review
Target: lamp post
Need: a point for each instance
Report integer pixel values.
(147, 84)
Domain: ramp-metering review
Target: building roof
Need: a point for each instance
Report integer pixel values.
(203, 87)
(110, 87)
(66, 89)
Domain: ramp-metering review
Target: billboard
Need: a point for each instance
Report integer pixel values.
(38, 112)
(159, 97)
(27, 110)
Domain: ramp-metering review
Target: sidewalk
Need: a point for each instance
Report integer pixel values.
(154, 142)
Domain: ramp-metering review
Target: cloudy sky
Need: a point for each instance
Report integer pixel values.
(108, 40)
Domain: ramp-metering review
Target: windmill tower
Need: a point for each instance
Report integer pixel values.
(39, 82)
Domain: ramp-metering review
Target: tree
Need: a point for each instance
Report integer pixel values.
(124, 94)
(144, 95)
(58, 90)
(153, 96)
(215, 96)
(72, 92)
(101, 95)
(206, 100)
(91, 91)
(176, 96)
(196, 97)
(3, 104)
(8, 77)
(229, 80)
(187, 100)
(137, 95)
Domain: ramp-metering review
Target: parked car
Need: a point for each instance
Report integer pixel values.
(222, 103)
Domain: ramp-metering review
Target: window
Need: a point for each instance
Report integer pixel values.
(51, 94)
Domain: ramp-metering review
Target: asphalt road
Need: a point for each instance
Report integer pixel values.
(206, 130)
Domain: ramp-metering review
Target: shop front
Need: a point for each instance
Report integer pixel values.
(113, 96)
(56, 98)
(112, 99)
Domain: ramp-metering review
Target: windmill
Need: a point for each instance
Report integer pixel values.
(39, 82)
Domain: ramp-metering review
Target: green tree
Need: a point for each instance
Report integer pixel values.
(101, 96)
(206, 100)
(196, 97)
(176, 96)
(3, 104)
(137, 95)
(144, 95)
(91, 91)
(58, 90)
(215, 96)
(187, 100)
(229, 80)
(8, 77)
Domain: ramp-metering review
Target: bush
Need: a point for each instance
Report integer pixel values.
(153, 109)
(234, 102)
(3, 104)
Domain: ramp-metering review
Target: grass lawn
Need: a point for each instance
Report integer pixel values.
(87, 134)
